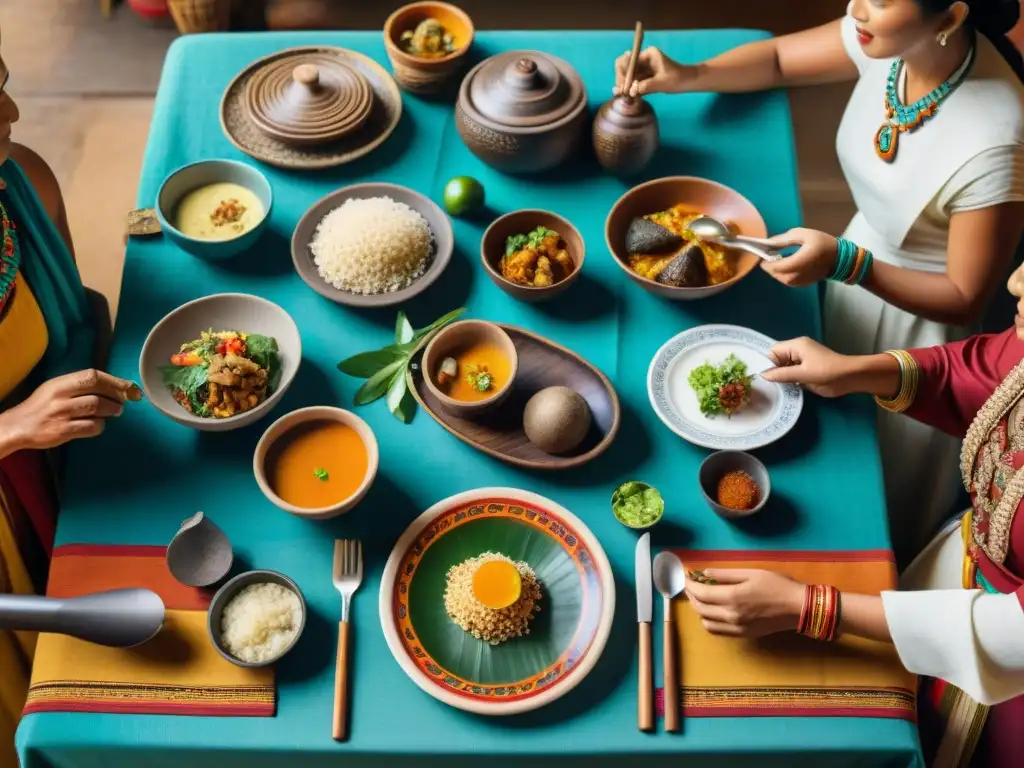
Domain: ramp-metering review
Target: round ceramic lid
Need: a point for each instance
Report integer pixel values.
(525, 89)
(309, 98)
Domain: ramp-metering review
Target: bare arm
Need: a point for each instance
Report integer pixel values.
(48, 189)
(863, 616)
(811, 57)
(981, 246)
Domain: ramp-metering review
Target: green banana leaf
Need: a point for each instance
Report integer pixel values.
(552, 629)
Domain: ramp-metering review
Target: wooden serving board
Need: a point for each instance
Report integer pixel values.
(499, 432)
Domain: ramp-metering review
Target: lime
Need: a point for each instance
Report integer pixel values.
(463, 195)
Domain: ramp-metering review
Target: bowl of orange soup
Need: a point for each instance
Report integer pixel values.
(316, 462)
(470, 367)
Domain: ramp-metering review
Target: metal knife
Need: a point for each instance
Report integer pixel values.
(644, 614)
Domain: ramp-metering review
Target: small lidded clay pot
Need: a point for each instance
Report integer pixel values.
(309, 99)
(522, 112)
(626, 129)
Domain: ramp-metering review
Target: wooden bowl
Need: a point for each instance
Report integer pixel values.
(492, 248)
(458, 335)
(287, 423)
(422, 75)
(703, 196)
(500, 433)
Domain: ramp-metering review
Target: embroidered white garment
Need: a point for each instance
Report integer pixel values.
(969, 155)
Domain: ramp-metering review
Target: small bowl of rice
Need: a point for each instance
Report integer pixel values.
(372, 245)
(256, 618)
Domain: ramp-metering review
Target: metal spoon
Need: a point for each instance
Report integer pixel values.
(709, 228)
(670, 581)
(119, 617)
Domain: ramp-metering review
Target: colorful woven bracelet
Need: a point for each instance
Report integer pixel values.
(846, 256)
(863, 267)
(852, 263)
(821, 618)
(908, 383)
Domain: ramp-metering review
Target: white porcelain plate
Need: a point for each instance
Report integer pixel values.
(773, 409)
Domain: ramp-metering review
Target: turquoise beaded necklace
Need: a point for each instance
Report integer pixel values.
(901, 118)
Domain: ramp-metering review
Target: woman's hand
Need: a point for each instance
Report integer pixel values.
(64, 409)
(655, 73)
(747, 603)
(813, 262)
(804, 361)
(830, 374)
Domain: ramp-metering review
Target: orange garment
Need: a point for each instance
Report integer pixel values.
(23, 340)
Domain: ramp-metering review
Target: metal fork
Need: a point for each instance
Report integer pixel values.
(348, 575)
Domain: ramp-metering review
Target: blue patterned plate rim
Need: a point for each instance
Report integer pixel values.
(787, 413)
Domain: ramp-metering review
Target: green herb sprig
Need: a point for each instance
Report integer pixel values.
(385, 369)
(321, 474)
(515, 243)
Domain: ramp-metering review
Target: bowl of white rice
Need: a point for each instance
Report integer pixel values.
(256, 618)
(372, 245)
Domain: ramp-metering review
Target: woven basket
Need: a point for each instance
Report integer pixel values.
(200, 15)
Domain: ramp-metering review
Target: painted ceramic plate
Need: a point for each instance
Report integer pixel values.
(566, 636)
(773, 409)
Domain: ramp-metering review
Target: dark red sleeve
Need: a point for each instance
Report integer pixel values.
(1020, 597)
(955, 380)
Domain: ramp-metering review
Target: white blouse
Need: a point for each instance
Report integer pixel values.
(969, 155)
(970, 638)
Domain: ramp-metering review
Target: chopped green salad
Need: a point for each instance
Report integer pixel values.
(637, 504)
(723, 388)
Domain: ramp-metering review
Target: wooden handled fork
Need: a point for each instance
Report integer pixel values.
(348, 575)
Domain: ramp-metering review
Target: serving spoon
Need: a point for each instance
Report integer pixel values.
(120, 618)
(670, 581)
(711, 229)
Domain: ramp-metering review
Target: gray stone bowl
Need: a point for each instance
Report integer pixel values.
(232, 588)
(441, 249)
(718, 464)
(222, 312)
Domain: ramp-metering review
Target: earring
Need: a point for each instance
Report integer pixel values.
(943, 38)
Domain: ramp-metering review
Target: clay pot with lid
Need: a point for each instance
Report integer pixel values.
(522, 111)
(625, 130)
(308, 100)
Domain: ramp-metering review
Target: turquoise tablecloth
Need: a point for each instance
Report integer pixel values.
(137, 482)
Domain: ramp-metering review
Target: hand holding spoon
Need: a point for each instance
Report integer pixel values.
(711, 229)
(670, 581)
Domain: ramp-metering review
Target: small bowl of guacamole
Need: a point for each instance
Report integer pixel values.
(637, 505)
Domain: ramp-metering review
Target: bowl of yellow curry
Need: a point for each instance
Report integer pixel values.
(214, 209)
(532, 255)
(647, 232)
